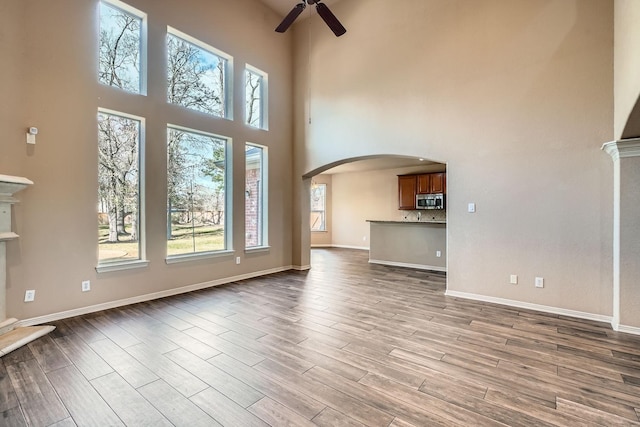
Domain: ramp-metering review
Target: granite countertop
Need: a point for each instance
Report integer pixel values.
(398, 221)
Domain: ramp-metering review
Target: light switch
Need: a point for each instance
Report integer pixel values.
(471, 208)
(31, 138)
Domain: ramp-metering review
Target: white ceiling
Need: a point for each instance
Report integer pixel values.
(284, 6)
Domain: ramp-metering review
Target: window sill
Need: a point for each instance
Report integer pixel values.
(255, 249)
(175, 259)
(119, 266)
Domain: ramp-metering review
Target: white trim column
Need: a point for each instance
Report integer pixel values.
(626, 234)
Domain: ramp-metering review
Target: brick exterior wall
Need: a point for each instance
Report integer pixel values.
(252, 216)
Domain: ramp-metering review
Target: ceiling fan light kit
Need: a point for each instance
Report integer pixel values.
(323, 10)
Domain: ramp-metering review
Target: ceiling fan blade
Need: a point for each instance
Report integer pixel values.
(288, 20)
(330, 19)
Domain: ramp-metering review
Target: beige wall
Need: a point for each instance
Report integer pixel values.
(409, 244)
(629, 242)
(369, 195)
(515, 96)
(12, 102)
(627, 69)
(48, 77)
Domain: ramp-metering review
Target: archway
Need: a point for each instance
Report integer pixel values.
(359, 190)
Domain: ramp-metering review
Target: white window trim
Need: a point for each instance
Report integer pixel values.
(264, 175)
(143, 39)
(228, 72)
(264, 97)
(142, 261)
(176, 259)
(120, 266)
(254, 249)
(228, 200)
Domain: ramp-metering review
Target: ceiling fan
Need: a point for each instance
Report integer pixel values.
(327, 16)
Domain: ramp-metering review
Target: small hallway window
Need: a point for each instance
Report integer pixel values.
(318, 207)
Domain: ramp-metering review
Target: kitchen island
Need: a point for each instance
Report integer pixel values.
(414, 244)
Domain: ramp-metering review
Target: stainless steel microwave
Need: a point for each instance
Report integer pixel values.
(430, 201)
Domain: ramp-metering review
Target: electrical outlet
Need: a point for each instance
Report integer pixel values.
(539, 282)
(438, 254)
(238, 260)
(86, 285)
(514, 279)
(29, 295)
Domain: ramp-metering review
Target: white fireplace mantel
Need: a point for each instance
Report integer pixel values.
(11, 337)
(9, 185)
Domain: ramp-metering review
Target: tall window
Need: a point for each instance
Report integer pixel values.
(318, 207)
(196, 199)
(255, 97)
(121, 54)
(255, 206)
(119, 148)
(197, 75)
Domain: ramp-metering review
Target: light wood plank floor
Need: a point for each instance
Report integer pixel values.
(345, 344)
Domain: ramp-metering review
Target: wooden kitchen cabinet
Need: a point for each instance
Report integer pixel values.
(407, 186)
(424, 183)
(431, 183)
(437, 182)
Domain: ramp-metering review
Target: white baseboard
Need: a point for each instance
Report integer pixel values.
(328, 246)
(530, 306)
(301, 267)
(362, 248)
(407, 265)
(627, 329)
(147, 297)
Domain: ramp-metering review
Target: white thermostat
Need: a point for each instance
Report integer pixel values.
(31, 135)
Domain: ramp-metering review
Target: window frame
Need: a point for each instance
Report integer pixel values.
(263, 202)
(228, 71)
(264, 97)
(142, 48)
(141, 261)
(228, 200)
